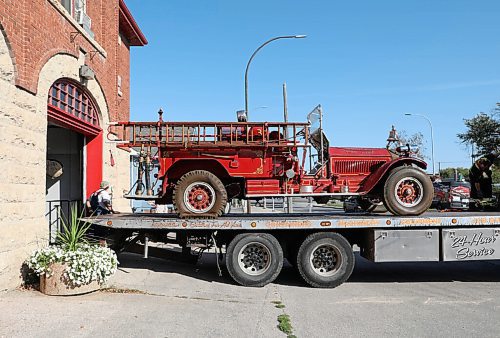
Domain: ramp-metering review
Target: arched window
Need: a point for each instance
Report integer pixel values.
(71, 104)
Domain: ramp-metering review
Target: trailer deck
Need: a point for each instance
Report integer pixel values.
(325, 221)
(319, 244)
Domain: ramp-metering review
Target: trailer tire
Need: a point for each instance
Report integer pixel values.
(325, 260)
(199, 193)
(408, 192)
(254, 259)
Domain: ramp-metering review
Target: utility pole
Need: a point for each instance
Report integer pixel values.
(285, 110)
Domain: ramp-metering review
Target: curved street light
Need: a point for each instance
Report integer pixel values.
(253, 55)
(432, 137)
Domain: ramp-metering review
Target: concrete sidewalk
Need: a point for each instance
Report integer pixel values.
(162, 299)
(174, 299)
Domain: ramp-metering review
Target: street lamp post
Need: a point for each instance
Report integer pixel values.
(253, 55)
(432, 137)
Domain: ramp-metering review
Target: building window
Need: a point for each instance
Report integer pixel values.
(70, 97)
(67, 4)
(78, 10)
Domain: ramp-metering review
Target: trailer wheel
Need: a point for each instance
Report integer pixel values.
(254, 259)
(325, 260)
(199, 193)
(408, 191)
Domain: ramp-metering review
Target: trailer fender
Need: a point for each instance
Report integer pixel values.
(183, 166)
(378, 175)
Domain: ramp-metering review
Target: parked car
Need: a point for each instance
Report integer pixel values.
(450, 194)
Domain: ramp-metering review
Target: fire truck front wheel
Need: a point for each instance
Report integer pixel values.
(254, 259)
(408, 192)
(325, 260)
(199, 193)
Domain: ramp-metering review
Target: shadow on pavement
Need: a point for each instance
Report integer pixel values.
(415, 272)
(205, 269)
(364, 271)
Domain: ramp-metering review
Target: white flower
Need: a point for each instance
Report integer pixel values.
(86, 264)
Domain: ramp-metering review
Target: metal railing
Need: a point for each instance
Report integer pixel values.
(55, 210)
(210, 134)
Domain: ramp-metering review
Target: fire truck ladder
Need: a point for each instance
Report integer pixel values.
(203, 135)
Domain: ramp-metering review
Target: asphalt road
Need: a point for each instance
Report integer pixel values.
(173, 299)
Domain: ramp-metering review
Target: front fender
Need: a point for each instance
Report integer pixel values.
(377, 176)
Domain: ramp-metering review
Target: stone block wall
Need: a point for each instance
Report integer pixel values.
(23, 124)
(38, 46)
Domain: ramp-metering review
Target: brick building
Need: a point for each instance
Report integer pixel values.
(64, 74)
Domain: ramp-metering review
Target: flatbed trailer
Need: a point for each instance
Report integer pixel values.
(320, 245)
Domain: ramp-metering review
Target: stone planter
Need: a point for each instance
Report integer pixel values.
(56, 285)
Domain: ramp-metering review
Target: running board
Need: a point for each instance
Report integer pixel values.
(141, 197)
(340, 194)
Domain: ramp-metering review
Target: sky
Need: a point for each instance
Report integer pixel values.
(366, 62)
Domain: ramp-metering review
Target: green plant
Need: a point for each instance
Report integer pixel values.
(73, 231)
(84, 262)
(284, 324)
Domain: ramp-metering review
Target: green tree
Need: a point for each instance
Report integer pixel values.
(464, 172)
(450, 172)
(483, 131)
(496, 174)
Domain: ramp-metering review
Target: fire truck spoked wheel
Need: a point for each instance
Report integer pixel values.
(199, 193)
(325, 260)
(408, 192)
(254, 259)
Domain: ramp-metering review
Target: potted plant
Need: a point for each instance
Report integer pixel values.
(74, 265)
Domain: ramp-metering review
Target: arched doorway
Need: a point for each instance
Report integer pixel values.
(74, 148)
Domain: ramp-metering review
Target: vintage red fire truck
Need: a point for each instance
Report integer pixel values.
(203, 165)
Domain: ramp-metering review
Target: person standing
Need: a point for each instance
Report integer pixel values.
(480, 178)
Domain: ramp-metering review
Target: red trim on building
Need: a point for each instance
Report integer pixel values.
(70, 103)
(63, 119)
(70, 106)
(129, 27)
(94, 165)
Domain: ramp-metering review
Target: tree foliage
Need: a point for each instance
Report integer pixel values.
(483, 130)
(450, 172)
(464, 173)
(416, 139)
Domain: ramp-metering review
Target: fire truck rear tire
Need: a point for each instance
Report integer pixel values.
(408, 192)
(325, 260)
(207, 186)
(254, 259)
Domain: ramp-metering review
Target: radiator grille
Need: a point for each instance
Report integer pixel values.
(356, 166)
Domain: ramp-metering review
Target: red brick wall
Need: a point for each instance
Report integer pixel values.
(36, 31)
(123, 69)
